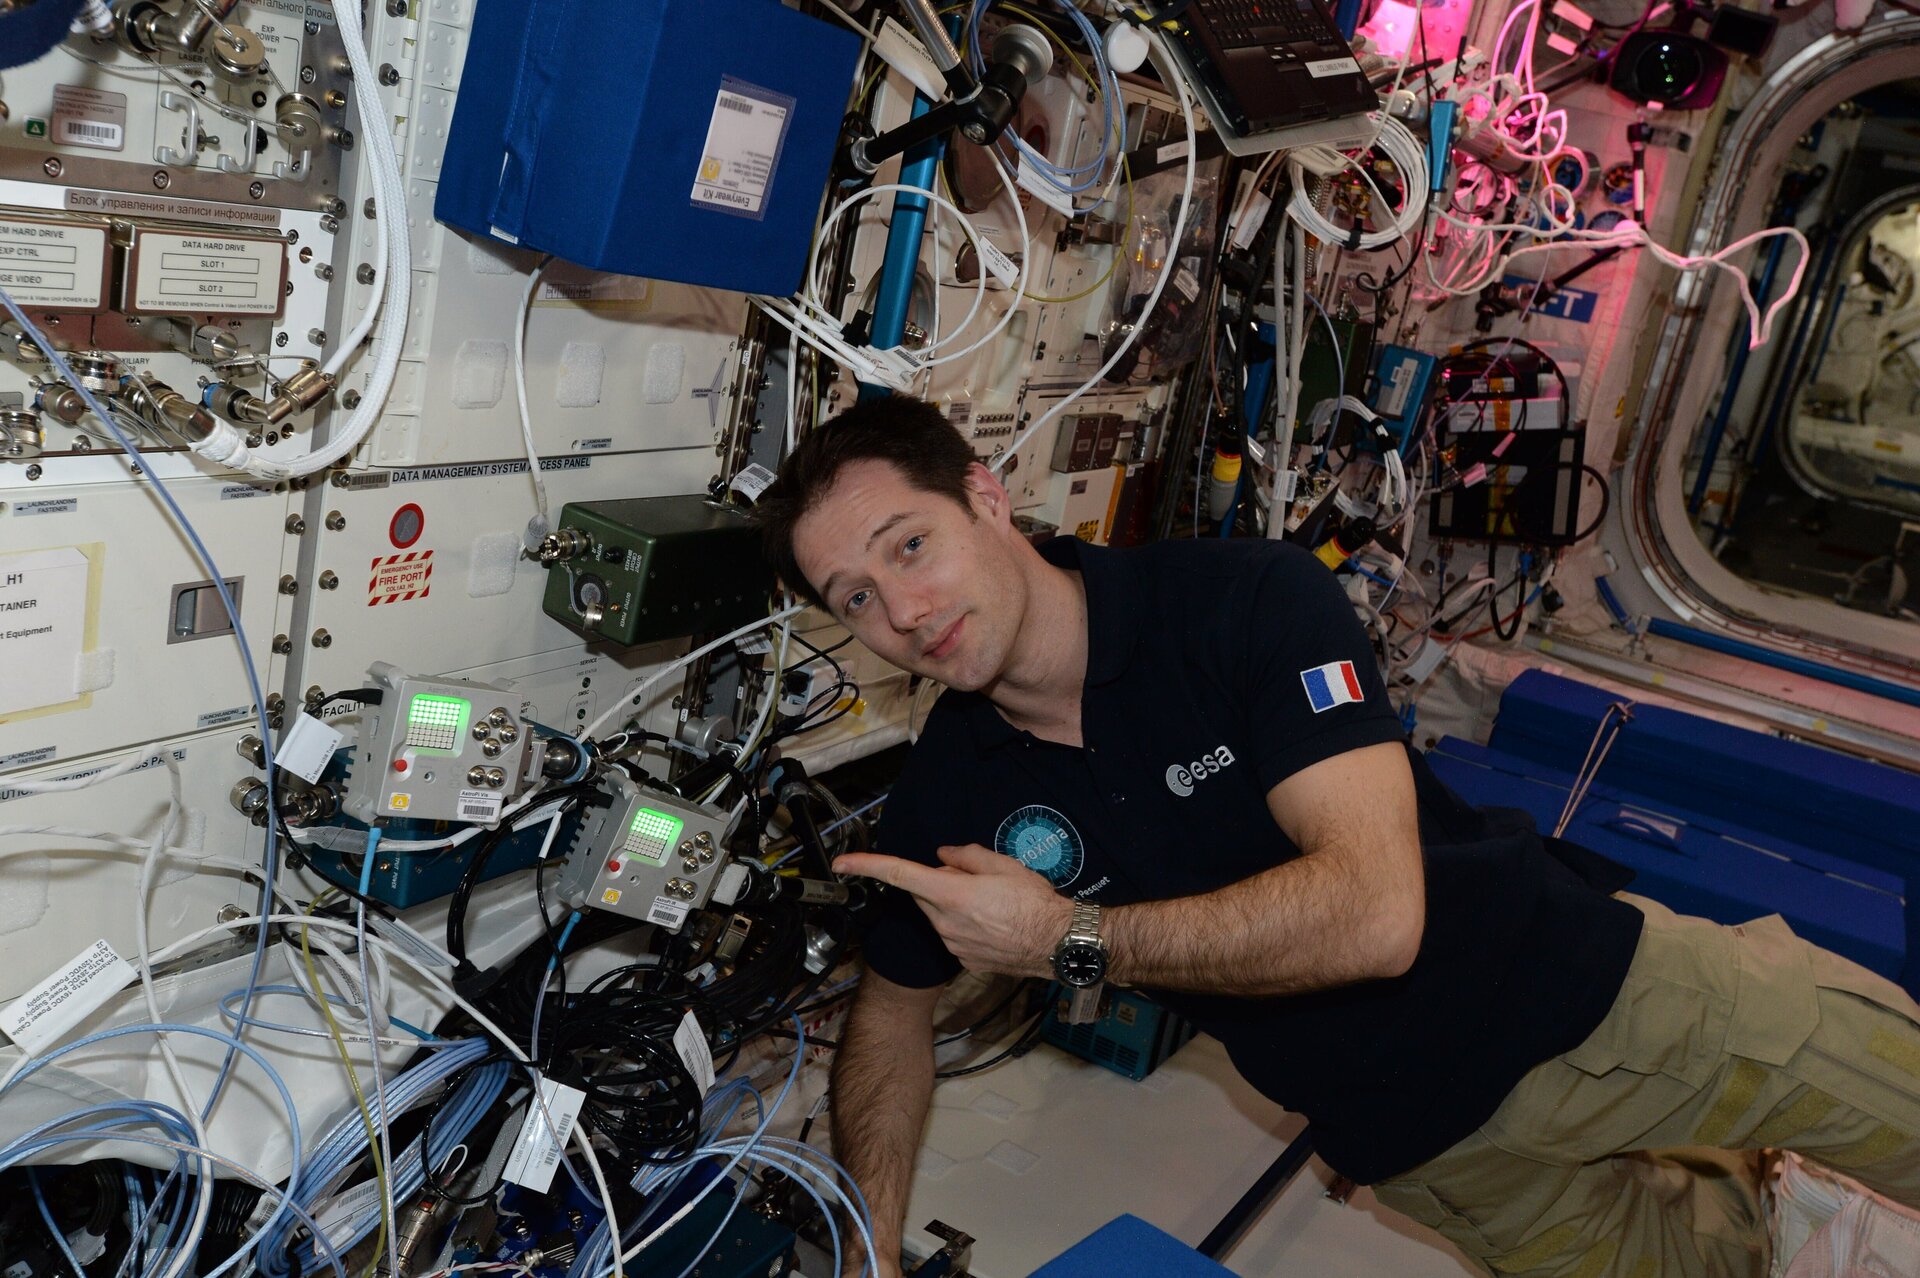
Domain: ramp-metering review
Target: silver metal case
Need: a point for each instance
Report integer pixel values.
(438, 750)
(646, 855)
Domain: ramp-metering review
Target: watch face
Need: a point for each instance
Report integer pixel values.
(1080, 965)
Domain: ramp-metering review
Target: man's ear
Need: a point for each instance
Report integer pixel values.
(988, 495)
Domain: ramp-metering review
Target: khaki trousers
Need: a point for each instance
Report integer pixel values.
(1636, 1154)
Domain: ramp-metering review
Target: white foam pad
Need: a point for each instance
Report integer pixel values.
(583, 367)
(479, 374)
(490, 564)
(666, 362)
(93, 671)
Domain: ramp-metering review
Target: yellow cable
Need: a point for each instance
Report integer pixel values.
(353, 1075)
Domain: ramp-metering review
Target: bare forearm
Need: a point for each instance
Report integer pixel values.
(882, 1083)
(1310, 924)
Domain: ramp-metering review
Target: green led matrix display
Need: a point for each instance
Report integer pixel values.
(651, 836)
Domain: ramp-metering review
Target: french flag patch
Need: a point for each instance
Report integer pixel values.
(1334, 684)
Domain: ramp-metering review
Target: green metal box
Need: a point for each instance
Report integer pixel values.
(639, 570)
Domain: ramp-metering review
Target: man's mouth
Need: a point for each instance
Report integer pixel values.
(945, 644)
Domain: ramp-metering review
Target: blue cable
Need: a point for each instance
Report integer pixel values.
(60, 1238)
(33, 1065)
(91, 1135)
(426, 1038)
(1109, 96)
(270, 864)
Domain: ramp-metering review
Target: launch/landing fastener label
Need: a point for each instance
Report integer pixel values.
(54, 266)
(744, 139)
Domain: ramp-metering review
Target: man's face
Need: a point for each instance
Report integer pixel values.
(930, 586)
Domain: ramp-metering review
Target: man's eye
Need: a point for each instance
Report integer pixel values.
(915, 542)
(856, 600)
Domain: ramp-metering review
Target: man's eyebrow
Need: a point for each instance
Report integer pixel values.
(826, 588)
(885, 524)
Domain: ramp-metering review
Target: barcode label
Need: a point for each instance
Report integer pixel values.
(549, 1121)
(479, 805)
(87, 133)
(741, 105)
(667, 912)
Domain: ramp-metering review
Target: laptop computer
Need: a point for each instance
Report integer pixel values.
(1274, 73)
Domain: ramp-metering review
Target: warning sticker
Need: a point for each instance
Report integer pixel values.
(744, 138)
(398, 578)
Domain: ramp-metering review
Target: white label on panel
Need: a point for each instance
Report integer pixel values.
(307, 746)
(744, 138)
(480, 805)
(752, 480)
(691, 1042)
(47, 506)
(53, 265)
(549, 1121)
(89, 117)
(37, 1019)
(43, 613)
(668, 913)
(1332, 66)
(226, 274)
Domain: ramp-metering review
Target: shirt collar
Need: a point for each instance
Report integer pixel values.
(1113, 613)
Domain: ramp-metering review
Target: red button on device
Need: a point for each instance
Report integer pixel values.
(399, 765)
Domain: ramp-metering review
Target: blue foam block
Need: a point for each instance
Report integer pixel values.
(1697, 864)
(1128, 1247)
(584, 132)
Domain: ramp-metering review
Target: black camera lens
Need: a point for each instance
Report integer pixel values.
(1670, 69)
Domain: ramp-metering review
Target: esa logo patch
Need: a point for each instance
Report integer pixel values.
(1182, 777)
(1044, 841)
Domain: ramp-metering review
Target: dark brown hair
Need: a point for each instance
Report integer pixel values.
(909, 434)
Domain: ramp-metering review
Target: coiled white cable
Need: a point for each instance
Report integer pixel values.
(1410, 160)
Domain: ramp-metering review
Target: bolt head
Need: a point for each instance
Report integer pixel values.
(335, 520)
(389, 74)
(296, 525)
(52, 166)
(351, 400)
(396, 8)
(329, 224)
(280, 338)
(308, 75)
(329, 580)
(282, 644)
(321, 639)
(366, 274)
(257, 189)
(289, 585)
(34, 471)
(162, 179)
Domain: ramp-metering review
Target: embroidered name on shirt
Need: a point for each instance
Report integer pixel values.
(1334, 684)
(1182, 777)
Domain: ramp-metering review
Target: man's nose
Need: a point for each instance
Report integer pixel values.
(907, 608)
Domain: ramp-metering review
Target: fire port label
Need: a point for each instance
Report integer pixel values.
(398, 578)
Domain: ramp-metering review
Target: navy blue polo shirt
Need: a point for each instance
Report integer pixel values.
(1215, 670)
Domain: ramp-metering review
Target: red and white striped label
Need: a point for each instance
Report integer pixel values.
(398, 578)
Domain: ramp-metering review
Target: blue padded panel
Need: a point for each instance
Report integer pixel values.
(1814, 796)
(1698, 864)
(1128, 1247)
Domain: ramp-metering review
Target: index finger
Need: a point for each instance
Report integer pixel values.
(909, 876)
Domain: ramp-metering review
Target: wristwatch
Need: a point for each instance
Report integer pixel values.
(1080, 964)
